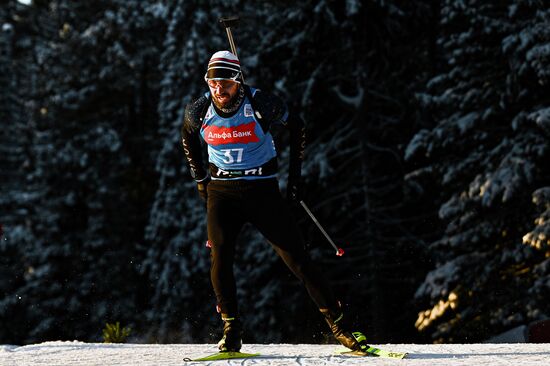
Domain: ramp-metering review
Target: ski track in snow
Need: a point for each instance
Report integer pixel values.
(90, 354)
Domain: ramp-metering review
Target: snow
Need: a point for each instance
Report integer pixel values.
(78, 353)
(7, 27)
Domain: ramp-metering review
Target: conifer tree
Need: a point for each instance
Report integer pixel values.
(484, 160)
(19, 188)
(95, 97)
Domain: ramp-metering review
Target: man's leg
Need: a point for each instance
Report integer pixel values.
(272, 217)
(224, 224)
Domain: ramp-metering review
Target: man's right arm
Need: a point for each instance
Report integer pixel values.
(191, 140)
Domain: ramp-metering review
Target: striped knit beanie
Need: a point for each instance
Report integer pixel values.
(223, 65)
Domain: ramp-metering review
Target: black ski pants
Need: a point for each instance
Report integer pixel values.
(232, 203)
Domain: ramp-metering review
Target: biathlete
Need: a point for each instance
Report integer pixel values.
(241, 186)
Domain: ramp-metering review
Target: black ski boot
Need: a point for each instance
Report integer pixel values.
(232, 334)
(355, 341)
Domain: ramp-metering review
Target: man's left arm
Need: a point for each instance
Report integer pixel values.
(275, 111)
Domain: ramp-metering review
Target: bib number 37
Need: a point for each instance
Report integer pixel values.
(232, 155)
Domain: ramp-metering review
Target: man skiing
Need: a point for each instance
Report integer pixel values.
(234, 121)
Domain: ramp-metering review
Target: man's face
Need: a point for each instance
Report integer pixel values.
(223, 91)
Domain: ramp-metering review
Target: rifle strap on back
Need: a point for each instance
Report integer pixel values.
(250, 97)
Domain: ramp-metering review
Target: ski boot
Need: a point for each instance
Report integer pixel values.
(355, 341)
(232, 334)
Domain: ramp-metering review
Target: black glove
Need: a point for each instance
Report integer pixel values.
(201, 187)
(293, 190)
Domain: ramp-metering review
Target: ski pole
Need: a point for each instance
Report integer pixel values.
(339, 251)
(228, 23)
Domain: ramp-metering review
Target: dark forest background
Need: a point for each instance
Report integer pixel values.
(428, 160)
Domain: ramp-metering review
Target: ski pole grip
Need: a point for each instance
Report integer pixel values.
(230, 22)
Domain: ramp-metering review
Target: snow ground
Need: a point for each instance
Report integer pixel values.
(89, 354)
